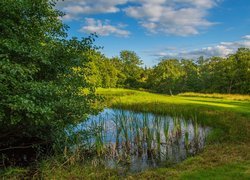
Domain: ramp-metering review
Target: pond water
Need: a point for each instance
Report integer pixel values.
(138, 141)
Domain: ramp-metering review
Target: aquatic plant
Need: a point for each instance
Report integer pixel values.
(124, 136)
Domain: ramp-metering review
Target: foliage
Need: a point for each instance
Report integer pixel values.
(165, 76)
(213, 75)
(100, 72)
(130, 68)
(173, 76)
(39, 82)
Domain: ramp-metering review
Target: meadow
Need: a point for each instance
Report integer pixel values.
(225, 156)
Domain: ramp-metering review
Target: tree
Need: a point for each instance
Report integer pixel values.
(241, 61)
(190, 78)
(40, 80)
(166, 76)
(131, 68)
(213, 75)
(118, 65)
(101, 72)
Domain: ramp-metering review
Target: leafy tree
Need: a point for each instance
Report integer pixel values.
(109, 74)
(118, 65)
(226, 75)
(101, 72)
(92, 73)
(190, 78)
(131, 68)
(211, 74)
(241, 70)
(40, 80)
(166, 76)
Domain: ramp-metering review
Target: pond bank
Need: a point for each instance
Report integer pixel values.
(226, 156)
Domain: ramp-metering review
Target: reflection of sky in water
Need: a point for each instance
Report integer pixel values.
(184, 137)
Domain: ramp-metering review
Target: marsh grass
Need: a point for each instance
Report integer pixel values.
(228, 115)
(225, 156)
(137, 141)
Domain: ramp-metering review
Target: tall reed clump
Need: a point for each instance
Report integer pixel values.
(124, 136)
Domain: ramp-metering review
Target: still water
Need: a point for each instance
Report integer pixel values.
(138, 141)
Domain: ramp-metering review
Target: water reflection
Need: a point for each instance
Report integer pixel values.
(142, 140)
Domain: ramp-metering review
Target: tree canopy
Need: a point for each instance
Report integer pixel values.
(40, 80)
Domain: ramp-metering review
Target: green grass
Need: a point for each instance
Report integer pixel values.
(226, 155)
(125, 97)
(230, 141)
(219, 96)
(229, 171)
(13, 173)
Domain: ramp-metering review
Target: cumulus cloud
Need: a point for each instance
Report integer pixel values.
(103, 28)
(175, 17)
(222, 49)
(74, 8)
(247, 37)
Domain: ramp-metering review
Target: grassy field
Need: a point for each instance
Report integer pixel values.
(219, 96)
(226, 156)
(132, 98)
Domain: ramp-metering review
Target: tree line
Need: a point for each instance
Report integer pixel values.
(230, 74)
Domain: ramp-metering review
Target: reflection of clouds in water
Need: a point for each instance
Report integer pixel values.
(148, 139)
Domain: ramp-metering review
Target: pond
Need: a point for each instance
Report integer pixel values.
(137, 141)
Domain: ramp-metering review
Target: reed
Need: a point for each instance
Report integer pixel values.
(229, 136)
(125, 135)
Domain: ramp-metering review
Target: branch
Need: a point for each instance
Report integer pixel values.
(22, 147)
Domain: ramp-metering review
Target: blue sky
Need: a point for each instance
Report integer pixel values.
(161, 28)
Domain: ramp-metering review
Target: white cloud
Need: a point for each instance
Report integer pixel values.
(247, 37)
(199, 3)
(69, 17)
(222, 49)
(103, 28)
(77, 7)
(177, 17)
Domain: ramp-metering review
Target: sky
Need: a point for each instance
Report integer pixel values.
(157, 29)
